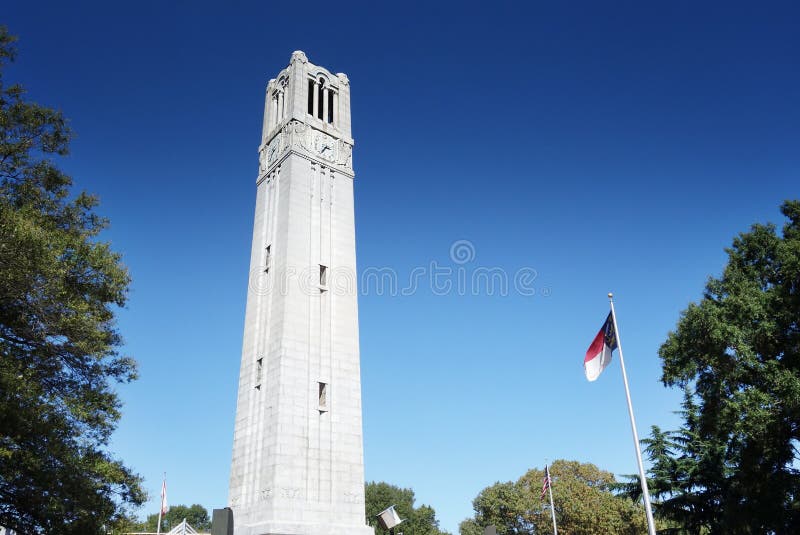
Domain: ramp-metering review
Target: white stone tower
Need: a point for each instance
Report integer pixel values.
(297, 463)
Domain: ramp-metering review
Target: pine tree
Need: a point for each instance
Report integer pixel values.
(731, 467)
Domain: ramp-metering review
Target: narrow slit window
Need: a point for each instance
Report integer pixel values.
(259, 372)
(311, 97)
(323, 276)
(268, 258)
(323, 396)
(320, 98)
(330, 106)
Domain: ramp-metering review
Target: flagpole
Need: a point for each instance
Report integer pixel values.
(552, 507)
(651, 528)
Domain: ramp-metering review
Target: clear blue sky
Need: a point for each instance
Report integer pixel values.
(609, 147)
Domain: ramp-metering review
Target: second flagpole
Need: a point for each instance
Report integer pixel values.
(651, 528)
(552, 506)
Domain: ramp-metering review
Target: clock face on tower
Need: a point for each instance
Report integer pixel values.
(325, 146)
(273, 153)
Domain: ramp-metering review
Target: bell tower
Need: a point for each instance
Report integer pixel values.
(297, 466)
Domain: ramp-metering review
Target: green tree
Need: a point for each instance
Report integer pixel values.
(583, 497)
(196, 515)
(416, 520)
(122, 525)
(731, 467)
(470, 526)
(59, 288)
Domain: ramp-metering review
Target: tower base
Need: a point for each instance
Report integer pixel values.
(301, 528)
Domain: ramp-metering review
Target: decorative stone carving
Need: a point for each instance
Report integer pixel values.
(263, 161)
(298, 135)
(265, 495)
(299, 55)
(345, 155)
(353, 496)
(291, 493)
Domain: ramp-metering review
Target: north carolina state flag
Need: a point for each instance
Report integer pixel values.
(598, 356)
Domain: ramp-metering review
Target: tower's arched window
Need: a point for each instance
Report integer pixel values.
(321, 90)
(321, 99)
(275, 109)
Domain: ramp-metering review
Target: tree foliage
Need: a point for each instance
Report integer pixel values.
(416, 520)
(196, 515)
(59, 287)
(731, 467)
(583, 498)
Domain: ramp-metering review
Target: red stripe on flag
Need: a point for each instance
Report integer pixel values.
(546, 483)
(596, 347)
